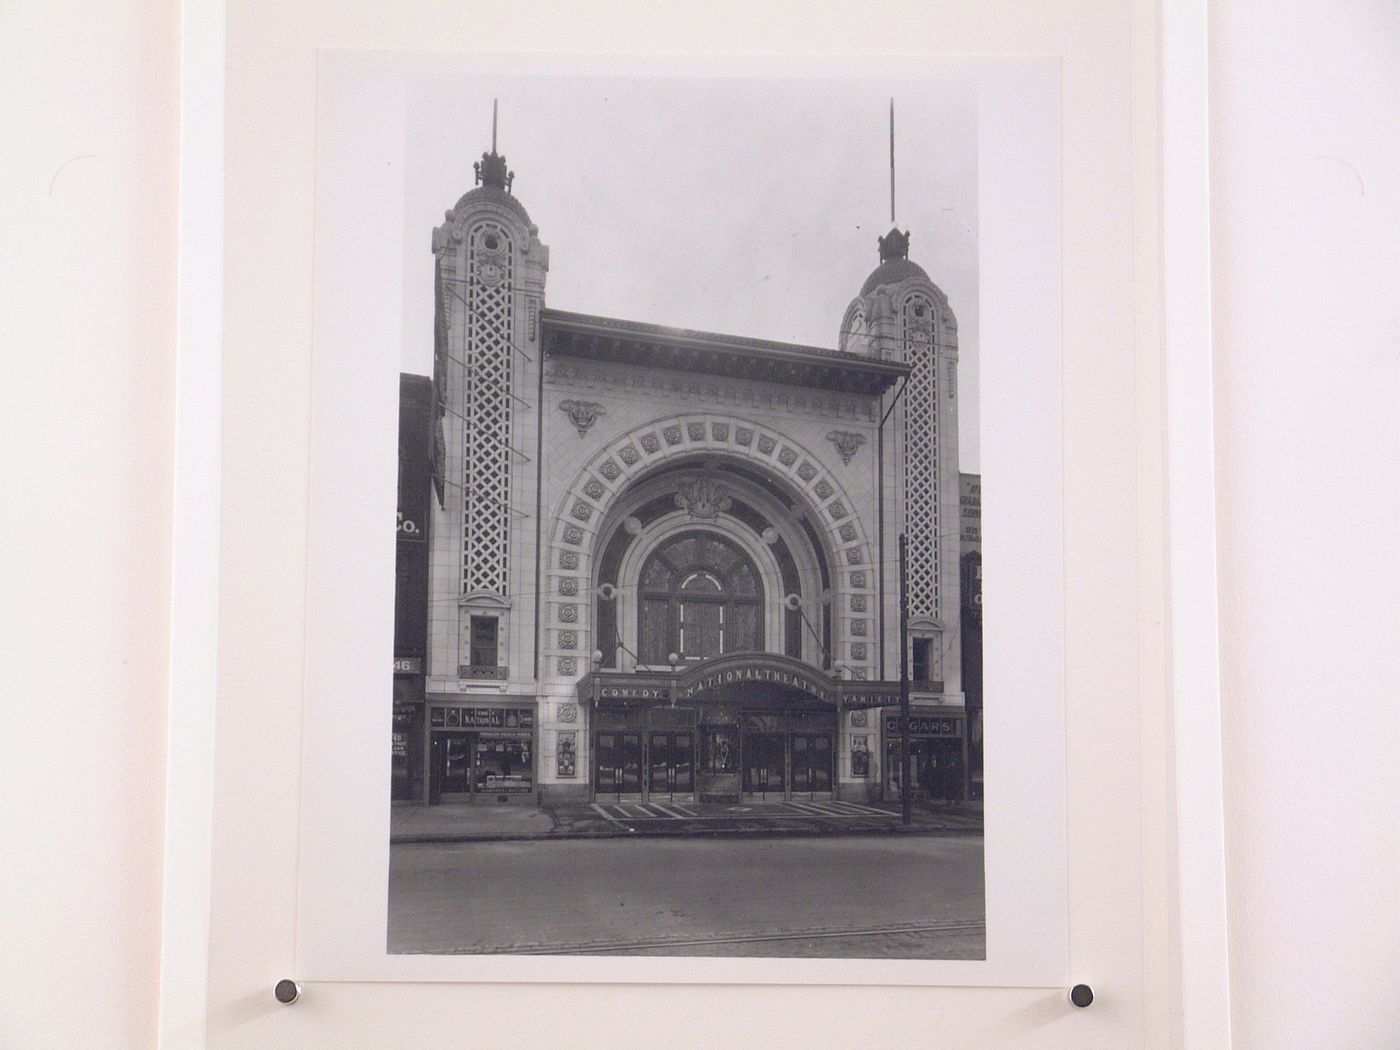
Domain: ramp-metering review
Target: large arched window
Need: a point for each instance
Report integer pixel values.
(700, 597)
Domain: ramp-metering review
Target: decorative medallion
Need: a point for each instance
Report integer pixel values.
(573, 534)
(491, 271)
(858, 673)
(824, 489)
(610, 469)
(568, 585)
(743, 435)
(582, 510)
(629, 455)
(858, 628)
(857, 651)
(568, 639)
(569, 712)
(847, 443)
(859, 719)
(787, 457)
(858, 579)
(695, 431)
(720, 431)
(582, 414)
(568, 665)
(766, 445)
(650, 443)
(847, 532)
(568, 614)
(593, 489)
(852, 555)
(837, 510)
(568, 559)
(806, 472)
(672, 434)
(703, 498)
(857, 603)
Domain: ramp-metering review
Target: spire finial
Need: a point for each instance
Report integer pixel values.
(891, 160)
(893, 245)
(495, 101)
(491, 168)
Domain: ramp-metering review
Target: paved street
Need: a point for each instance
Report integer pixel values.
(877, 896)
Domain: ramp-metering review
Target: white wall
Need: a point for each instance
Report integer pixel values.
(87, 321)
(1306, 214)
(1306, 211)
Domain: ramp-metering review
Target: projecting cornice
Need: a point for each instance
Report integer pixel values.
(682, 350)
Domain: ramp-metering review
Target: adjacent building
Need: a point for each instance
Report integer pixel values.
(663, 564)
(417, 427)
(970, 623)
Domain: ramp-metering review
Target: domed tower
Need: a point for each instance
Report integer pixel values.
(900, 315)
(490, 282)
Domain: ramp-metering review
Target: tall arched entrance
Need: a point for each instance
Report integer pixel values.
(707, 566)
(724, 578)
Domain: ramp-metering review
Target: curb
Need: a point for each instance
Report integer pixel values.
(898, 829)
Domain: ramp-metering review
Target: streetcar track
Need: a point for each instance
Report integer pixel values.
(818, 933)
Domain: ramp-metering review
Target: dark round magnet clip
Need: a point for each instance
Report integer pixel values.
(287, 991)
(1081, 995)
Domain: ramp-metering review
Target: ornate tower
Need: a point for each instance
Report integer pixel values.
(901, 315)
(490, 276)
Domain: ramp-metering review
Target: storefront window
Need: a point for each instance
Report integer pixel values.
(504, 766)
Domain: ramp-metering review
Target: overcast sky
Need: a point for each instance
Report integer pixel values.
(748, 207)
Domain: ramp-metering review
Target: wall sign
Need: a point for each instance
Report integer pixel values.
(860, 757)
(481, 718)
(923, 725)
(566, 754)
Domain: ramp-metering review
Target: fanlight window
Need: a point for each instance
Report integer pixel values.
(701, 597)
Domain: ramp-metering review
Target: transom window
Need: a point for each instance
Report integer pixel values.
(701, 597)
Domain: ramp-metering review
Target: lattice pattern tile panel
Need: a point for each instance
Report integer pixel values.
(921, 456)
(488, 413)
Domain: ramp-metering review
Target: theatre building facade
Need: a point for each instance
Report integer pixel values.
(664, 564)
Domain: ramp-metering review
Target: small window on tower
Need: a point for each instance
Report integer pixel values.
(921, 658)
(492, 243)
(485, 649)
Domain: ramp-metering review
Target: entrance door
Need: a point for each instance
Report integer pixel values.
(618, 763)
(453, 754)
(764, 765)
(943, 776)
(672, 758)
(811, 763)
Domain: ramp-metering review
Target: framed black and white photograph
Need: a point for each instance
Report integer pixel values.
(661, 361)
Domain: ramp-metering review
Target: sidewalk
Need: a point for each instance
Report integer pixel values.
(486, 822)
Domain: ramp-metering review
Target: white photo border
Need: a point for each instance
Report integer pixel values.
(344, 810)
(228, 928)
